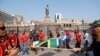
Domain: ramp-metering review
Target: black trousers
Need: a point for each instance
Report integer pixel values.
(67, 44)
(77, 45)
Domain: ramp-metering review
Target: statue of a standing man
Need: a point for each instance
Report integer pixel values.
(47, 10)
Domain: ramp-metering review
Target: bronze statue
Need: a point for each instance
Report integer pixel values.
(47, 10)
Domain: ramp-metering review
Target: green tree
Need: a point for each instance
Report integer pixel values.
(95, 22)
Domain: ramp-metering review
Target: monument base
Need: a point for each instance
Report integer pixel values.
(47, 19)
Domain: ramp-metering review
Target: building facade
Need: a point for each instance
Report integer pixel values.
(17, 23)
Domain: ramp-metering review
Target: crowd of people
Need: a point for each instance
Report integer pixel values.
(95, 45)
(11, 44)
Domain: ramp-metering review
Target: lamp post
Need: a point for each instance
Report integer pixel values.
(78, 27)
(17, 29)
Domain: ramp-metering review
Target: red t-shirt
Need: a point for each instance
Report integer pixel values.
(1, 51)
(5, 44)
(3, 47)
(78, 37)
(13, 39)
(24, 38)
(68, 33)
(41, 36)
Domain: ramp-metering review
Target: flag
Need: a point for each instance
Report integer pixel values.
(49, 43)
(53, 43)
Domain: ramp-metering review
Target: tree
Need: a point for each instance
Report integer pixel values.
(95, 22)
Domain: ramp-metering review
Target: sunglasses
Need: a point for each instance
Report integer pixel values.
(2, 28)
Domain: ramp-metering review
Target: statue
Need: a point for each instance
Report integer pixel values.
(47, 18)
(47, 10)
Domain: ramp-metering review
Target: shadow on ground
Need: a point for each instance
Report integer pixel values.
(77, 54)
(47, 54)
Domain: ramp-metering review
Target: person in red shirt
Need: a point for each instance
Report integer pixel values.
(78, 39)
(24, 44)
(4, 46)
(68, 35)
(4, 42)
(41, 36)
(13, 39)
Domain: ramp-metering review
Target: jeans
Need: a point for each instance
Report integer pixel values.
(86, 44)
(25, 49)
(21, 46)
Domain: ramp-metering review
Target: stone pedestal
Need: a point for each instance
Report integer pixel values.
(47, 19)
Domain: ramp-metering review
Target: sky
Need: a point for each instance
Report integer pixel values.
(70, 9)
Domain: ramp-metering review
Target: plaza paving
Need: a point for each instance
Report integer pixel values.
(52, 52)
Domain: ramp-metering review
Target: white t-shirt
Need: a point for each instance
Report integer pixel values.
(88, 37)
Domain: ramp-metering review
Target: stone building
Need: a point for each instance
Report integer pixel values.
(6, 17)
